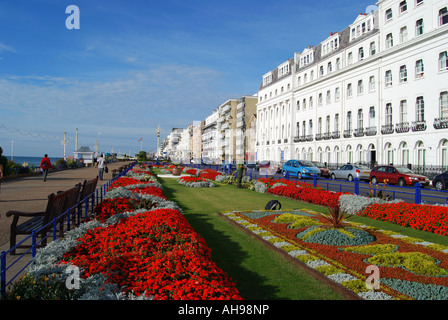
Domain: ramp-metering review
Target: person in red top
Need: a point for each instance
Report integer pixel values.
(45, 165)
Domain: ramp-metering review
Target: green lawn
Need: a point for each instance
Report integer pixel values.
(259, 272)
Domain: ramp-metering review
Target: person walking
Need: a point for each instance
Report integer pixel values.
(45, 165)
(100, 164)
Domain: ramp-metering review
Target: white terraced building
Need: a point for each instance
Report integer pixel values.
(376, 91)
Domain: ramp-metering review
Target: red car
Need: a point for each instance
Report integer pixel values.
(397, 175)
(324, 171)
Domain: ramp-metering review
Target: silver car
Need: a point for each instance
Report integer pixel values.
(351, 171)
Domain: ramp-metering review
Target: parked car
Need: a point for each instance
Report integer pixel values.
(324, 171)
(300, 169)
(351, 171)
(397, 175)
(440, 182)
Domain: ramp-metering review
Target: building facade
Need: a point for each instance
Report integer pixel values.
(375, 92)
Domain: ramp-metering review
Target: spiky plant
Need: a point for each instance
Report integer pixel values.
(335, 216)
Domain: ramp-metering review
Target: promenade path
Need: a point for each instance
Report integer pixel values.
(31, 193)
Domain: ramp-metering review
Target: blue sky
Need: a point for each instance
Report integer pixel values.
(137, 64)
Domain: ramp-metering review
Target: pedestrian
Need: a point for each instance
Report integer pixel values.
(45, 165)
(100, 164)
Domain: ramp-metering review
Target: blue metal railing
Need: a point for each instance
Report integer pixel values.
(415, 194)
(55, 230)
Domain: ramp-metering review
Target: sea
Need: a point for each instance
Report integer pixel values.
(31, 161)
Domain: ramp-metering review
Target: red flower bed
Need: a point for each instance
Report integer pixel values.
(109, 207)
(209, 174)
(151, 191)
(187, 179)
(313, 195)
(421, 217)
(125, 181)
(156, 253)
(191, 171)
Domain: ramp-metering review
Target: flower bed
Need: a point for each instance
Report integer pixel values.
(421, 217)
(209, 174)
(195, 182)
(129, 252)
(307, 194)
(409, 268)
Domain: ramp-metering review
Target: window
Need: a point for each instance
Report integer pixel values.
(403, 111)
(311, 102)
(403, 7)
(372, 83)
(298, 105)
(403, 74)
(388, 78)
(361, 54)
(388, 15)
(310, 126)
(418, 2)
(328, 99)
(443, 104)
(299, 80)
(320, 99)
(337, 94)
(304, 104)
(420, 108)
(327, 124)
(419, 27)
(329, 67)
(388, 114)
(443, 16)
(321, 71)
(360, 87)
(305, 78)
(349, 120)
(403, 34)
(443, 61)
(372, 48)
(419, 69)
(338, 63)
(371, 117)
(389, 41)
(360, 119)
(312, 75)
(349, 90)
(350, 58)
(336, 122)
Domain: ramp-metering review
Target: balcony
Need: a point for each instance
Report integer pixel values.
(441, 123)
(318, 136)
(370, 131)
(326, 136)
(359, 132)
(347, 133)
(285, 140)
(418, 126)
(387, 129)
(335, 135)
(402, 127)
(309, 137)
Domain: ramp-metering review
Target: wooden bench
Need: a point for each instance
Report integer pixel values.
(41, 221)
(87, 191)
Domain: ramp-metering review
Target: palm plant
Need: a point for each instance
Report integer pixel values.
(335, 216)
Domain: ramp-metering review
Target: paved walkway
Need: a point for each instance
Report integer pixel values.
(31, 193)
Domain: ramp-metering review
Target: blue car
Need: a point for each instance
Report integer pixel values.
(300, 169)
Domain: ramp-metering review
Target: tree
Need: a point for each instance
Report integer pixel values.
(142, 156)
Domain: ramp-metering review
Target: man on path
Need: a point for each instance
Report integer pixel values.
(100, 165)
(45, 165)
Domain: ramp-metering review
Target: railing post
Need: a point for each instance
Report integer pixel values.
(34, 243)
(3, 273)
(54, 229)
(287, 175)
(315, 180)
(356, 186)
(418, 193)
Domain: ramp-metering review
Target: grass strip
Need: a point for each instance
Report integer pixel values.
(259, 272)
